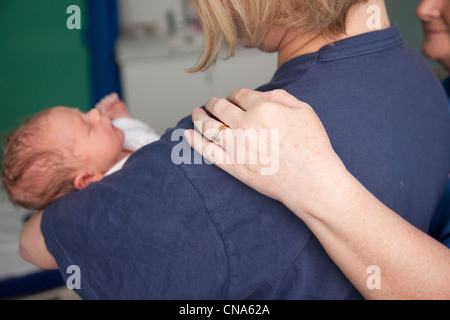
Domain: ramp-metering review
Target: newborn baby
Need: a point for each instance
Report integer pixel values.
(62, 149)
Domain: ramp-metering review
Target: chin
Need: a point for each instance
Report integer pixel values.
(264, 48)
(121, 135)
(433, 52)
(245, 43)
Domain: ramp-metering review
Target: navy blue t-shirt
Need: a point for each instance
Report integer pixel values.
(161, 230)
(440, 225)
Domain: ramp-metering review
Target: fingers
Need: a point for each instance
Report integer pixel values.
(246, 98)
(210, 151)
(108, 100)
(284, 98)
(210, 128)
(231, 110)
(224, 110)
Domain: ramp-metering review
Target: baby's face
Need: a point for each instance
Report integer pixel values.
(91, 136)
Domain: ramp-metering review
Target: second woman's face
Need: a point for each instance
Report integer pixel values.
(435, 17)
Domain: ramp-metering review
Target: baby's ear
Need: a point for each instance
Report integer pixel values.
(85, 178)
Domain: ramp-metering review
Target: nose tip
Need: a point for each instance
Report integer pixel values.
(427, 10)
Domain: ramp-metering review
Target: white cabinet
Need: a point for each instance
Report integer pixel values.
(159, 91)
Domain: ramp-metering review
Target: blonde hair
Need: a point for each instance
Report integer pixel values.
(35, 171)
(257, 17)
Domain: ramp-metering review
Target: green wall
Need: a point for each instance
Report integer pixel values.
(402, 12)
(42, 62)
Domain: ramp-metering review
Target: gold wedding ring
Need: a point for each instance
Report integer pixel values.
(219, 133)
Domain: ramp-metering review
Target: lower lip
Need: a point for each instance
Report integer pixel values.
(432, 33)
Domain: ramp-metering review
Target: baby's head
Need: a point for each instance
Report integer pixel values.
(58, 151)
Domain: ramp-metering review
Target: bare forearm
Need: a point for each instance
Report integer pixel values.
(32, 244)
(358, 232)
(356, 229)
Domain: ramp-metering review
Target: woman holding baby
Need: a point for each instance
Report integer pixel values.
(156, 230)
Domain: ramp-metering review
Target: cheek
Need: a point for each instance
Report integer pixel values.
(117, 139)
(271, 42)
(446, 16)
(243, 38)
(121, 135)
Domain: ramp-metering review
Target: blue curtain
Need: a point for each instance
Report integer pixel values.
(102, 33)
